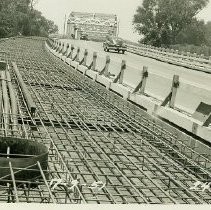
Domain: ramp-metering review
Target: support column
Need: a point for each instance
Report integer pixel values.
(119, 77)
(172, 95)
(141, 86)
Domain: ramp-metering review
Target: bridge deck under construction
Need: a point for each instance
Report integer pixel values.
(93, 136)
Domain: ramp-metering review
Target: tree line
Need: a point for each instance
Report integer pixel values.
(18, 17)
(172, 22)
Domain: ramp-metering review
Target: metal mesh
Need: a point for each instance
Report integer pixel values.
(94, 137)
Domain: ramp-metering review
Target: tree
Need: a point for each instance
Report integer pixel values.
(160, 21)
(19, 17)
(208, 33)
(194, 34)
(40, 26)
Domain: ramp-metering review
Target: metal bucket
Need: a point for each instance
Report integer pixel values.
(22, 154)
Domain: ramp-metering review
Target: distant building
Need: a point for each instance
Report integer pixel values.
(96, 26)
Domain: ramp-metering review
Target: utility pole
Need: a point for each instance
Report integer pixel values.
(117, 34)
(64, 25)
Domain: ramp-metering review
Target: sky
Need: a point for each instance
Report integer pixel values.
(124, 9)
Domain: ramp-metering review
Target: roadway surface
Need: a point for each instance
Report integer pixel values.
(137, 62)
(160, 75)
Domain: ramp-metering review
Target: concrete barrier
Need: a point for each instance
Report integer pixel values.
(154, 97)
(189, 96)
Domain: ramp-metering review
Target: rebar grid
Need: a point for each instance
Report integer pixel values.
(93, 135)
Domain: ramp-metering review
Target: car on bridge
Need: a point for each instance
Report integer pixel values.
(114, 43)
(84, 37)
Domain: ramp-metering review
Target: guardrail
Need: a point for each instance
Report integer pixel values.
(185, 59)
(158, 95)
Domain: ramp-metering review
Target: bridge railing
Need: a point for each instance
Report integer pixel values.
(186, 59)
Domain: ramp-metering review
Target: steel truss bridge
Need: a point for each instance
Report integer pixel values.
(93, 136)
